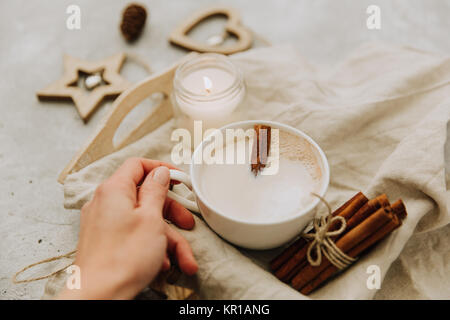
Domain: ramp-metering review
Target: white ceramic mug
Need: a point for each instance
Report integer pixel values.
(252, 235)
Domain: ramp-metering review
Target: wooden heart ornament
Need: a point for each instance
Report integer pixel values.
(233, 26)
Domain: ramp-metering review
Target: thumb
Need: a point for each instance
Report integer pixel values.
(153, 191)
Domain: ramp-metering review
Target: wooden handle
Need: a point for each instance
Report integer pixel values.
(102, 143)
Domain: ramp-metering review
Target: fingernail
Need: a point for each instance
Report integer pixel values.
(161, 175)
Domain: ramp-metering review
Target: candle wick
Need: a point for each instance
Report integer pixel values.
(208, 84)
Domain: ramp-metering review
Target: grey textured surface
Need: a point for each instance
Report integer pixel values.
(38, 139)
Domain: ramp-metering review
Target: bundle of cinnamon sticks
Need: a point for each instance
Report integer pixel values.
(367, 222)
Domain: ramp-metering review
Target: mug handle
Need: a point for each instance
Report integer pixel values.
(184, 178)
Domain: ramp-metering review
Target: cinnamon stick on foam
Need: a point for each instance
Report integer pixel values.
(261, 147)
(293, 259)
(399, 213)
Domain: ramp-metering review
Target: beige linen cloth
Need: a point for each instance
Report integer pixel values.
(380, 116)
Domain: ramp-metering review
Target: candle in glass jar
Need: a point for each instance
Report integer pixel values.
(207, 88)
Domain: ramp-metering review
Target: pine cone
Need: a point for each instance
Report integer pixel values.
(133, 21)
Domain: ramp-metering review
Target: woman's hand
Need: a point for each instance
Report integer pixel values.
(124, 240)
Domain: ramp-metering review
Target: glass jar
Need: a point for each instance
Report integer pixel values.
(207, 91)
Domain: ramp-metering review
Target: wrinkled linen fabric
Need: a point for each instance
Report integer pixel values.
(381, 118)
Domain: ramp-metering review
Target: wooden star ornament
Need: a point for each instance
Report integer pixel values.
(106, 82)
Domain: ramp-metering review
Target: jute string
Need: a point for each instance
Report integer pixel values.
(67, 255)
(322, 242)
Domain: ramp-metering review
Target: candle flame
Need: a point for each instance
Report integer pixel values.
(208, 84)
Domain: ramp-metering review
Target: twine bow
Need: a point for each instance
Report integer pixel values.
(322, 242)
